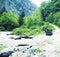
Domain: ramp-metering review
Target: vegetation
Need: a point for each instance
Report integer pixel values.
(37, 23)
(2, 47)
(54, 18)
(8, 21)
(57, 18)
(38, 50)
(33, 25)
(51, 11)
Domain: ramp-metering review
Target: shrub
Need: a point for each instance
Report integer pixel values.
(9, 20)
(34, 19)
(21, 30)
(2, 47)
(47, 25)
(33, 25)
(38, 50)
(2, 28)
(33, 30)
(30, 21)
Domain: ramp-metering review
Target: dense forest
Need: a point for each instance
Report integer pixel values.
(41, 19)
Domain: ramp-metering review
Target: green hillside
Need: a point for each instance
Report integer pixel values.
(40, 20)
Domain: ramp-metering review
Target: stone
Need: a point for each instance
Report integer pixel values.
(15, 37)
(49, 32)
(23, 45)
(16, 54)
(18, 38)
(26, 36)
(9, 51)
(6, 54)
(19, 54)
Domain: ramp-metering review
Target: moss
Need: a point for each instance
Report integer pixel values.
(2, 47)
(38, 50)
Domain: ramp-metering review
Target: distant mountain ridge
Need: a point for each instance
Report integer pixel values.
(17, 6)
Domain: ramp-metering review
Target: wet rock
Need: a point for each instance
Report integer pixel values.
(49, 32)
(27, 53)
(18, 37)
(6, 54)
(22, 45)
(9, 51)
(26, 36)
(15, 38)
(18, 54)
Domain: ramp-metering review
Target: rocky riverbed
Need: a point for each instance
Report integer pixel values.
(26, 47)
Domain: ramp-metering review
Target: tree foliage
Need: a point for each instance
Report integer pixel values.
(57, 18)
(51, 11)
(33, 25)
(49, 7)
(9, 21)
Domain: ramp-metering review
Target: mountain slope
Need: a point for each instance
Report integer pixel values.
(17, 6)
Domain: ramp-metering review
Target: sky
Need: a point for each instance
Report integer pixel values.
(38, 2)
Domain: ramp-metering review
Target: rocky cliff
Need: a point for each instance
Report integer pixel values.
(17, 6)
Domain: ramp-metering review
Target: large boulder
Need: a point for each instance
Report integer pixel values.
(49, 32)
(6, 52)
(17, 6)
(28, 53)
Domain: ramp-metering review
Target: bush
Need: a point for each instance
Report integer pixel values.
(47, 25)
(21, 30)
(9, 20)
(33, 25)
(2, 28)
(38, 50)
(2, 47)
(30, 21)
(34, 19)
(33, 30)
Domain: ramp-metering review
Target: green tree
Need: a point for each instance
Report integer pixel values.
(57, 18)
(9, 20)
(43, 10)
(33, 25)
(47, 8)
